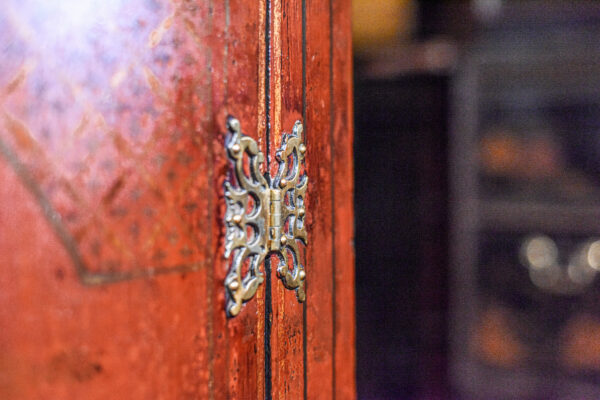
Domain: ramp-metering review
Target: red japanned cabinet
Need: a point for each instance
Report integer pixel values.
(113, 217)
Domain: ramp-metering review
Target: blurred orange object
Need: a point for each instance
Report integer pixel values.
(537, 156)
(495, 342)
(580, 349)
(500, 154)
(380, 22)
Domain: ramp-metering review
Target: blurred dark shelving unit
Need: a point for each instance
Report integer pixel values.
(525, 165)
(469, 142)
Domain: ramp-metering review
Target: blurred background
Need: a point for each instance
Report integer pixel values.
(477, 162)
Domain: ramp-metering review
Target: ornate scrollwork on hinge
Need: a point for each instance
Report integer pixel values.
(264, 216)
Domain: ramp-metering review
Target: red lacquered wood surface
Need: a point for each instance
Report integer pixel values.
(343, 233)
(319, 306)
(240, 353)
(112, 120)
(287, 330)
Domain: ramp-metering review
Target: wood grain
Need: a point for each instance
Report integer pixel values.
(320, 289)
(344, 360)
(112, 124)
(286, 107)
(141, 176)
(239, 351)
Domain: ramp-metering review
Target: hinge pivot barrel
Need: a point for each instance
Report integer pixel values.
(275, 220)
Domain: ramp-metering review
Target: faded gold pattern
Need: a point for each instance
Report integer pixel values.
(100, 112)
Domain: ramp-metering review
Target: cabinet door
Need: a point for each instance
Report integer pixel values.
(112, 164)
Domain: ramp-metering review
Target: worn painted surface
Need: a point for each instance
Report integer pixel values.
(319, 307)
(286, 108)
(343, 221)
(111, 168)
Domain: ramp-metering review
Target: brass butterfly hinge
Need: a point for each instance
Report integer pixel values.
(264, 216)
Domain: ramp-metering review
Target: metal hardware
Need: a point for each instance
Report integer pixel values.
(264, 216)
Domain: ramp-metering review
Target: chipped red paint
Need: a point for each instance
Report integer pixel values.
(343, 189)
(286, 108)
(320, 311)
(111, 168)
